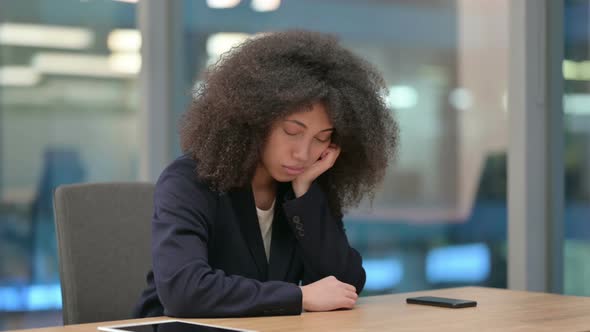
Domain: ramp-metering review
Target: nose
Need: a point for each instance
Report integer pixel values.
(301, 151)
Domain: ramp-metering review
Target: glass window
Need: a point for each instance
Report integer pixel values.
(576, 105)
(440, 218)
(68, 113)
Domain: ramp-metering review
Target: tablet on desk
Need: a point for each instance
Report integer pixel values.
(169, 326)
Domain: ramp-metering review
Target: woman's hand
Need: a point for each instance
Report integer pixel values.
(327, 159)
(328, 294)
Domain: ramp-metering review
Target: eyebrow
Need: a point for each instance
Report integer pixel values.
(304, 126)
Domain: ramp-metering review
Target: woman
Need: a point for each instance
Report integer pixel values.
(287, 130)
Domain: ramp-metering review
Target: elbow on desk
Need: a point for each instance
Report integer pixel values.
(180, 304)
(176, 302)
(185, 308)
(200, 303)
(204, 304)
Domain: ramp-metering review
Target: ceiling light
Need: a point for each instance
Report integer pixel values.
(18, 76)
(222, 3)
(265, 5)
(222, 42)
(124, 40)
(50, 36)
(402, 96)
(72, 64)
(125, 63)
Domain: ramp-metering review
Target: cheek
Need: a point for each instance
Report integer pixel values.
(274, 151)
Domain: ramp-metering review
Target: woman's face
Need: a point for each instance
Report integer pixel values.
(296, 142)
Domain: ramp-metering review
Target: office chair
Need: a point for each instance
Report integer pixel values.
(103, 236)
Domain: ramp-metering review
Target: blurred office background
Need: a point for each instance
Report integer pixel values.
(71, 110)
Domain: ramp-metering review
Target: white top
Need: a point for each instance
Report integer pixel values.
(265, 218)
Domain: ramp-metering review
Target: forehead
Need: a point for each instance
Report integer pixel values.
(313, 116)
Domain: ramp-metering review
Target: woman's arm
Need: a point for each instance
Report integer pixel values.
(186, 285)
(325, 248)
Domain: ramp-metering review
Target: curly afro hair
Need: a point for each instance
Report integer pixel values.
(271, 76)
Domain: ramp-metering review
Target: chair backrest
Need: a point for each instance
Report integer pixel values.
(103, 235)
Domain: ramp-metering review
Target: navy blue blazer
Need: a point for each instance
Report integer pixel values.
(209, 258)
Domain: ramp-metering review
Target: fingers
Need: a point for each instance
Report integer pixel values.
(351, 304)
(348, 303)
(328, 158)
(344, 303)
(334, 148)
(329, 152)
(349, 292)
(334, 153)
(351, 295)
(350, 288)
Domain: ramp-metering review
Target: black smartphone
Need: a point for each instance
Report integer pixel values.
(441, 302)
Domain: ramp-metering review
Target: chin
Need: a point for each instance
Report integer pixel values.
(283, 177)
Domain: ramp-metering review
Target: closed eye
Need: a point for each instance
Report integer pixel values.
(323, 140)
(290, 133)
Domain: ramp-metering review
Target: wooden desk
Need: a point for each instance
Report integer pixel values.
(497, 310)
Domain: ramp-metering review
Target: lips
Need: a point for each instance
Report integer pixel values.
(293, 170)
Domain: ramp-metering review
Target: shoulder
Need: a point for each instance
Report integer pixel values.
(182, 200)
(183, 167)
(180, 180)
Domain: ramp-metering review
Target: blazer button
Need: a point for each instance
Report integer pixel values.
(296, 219)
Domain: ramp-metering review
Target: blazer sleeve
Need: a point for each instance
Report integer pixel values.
(323, 242)
(186, 285)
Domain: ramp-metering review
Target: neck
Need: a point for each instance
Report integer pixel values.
(264, 188)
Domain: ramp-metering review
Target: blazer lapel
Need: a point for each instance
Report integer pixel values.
(245, 210)
(282, 242)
